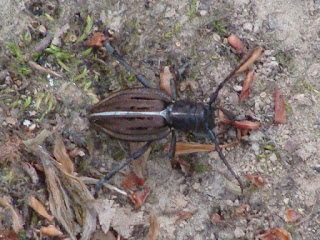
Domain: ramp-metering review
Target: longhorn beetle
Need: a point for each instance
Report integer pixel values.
(147, 114)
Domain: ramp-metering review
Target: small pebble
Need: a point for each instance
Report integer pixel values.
(247, 27)
(239, 233)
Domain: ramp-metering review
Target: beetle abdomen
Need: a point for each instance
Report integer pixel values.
(133, 114)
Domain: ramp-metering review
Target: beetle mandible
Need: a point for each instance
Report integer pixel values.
(147, 114)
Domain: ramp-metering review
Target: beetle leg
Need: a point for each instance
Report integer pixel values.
(123, 164)
(182, 69)
(172, 149)
(223, 158)
(173, 89)
(114, 53)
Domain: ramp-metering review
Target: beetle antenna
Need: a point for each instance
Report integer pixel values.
(223, 158)
(117, 56)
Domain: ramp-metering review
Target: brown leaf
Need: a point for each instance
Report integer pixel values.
(242, 209)
(39, 208)
(166, 74)
(246, 124)
(275, 234)
(61, 155)
(255, 179)
(187, 148)
(183, 215)
(292, 215)
(250, 59)
(51, 231)
(154, 227)
(105, 211)
(215, 218)
(132, 180)
(139, 165)
(139, 197)
(235, 42)
(279, 108)
(246, 86)
(96, 40)
(16, 219)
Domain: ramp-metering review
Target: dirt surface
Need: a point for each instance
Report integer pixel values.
(150, 34)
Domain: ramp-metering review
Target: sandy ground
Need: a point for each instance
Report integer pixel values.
(154, 33)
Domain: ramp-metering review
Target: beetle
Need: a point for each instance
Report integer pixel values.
(147, 114)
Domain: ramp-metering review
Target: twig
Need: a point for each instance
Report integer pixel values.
(88, 180)
(42, 69)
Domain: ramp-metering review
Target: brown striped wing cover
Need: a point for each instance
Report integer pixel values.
(135, 127)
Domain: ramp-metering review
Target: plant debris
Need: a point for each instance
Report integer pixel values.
(275, 234)
(39, 208)
(246, 86)
(279, 108)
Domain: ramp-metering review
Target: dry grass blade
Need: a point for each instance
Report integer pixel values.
(250, 59)
(43, 69)
(154, 227)
(187, 148)
(39, 208)
(61, 155)
(16, 220)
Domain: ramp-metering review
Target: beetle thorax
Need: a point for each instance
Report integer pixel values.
(189, 116)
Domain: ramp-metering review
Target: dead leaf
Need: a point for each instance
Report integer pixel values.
(105, 211)
(61, 155)
(39, 208)
(132, 180)
(139, 197)
(183, 215)
(279, 108)
(192, 85)
(246, 124)
(187, 148)
(215, 218)
(51, 231)
(16, 219)
(235, 42)
(250, 59)
(275, 234)
(292, 215)
(69, 199)
(11, 120)
(255, 179)
(166, 74)
(31, 172)
(139, 165)
(246, 86)
(96, 40)
(154, 227)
